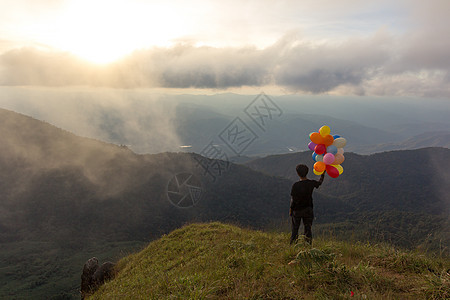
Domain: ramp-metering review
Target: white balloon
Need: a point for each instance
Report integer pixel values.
(340, 142)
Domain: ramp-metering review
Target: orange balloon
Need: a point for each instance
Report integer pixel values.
(328, 140)
(316, 138)
(338, 159)
(320, 166)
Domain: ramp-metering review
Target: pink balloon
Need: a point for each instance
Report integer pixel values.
(312, 145)
(328, 158)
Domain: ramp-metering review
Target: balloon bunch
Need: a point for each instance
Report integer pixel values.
(328, 152)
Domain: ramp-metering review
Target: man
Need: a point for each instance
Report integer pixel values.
(302, 203)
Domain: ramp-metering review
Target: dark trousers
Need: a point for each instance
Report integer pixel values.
(307, 215)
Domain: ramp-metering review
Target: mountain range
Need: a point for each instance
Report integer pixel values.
(65, 198)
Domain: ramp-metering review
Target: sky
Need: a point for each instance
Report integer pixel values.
(346, 47)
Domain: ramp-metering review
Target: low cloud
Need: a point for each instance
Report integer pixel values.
(29, 66)
(322, 68)
(143, 121)
(382, 64)
(187, 66)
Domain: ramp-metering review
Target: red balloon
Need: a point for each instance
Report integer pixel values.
(332, 171)
(320, 149)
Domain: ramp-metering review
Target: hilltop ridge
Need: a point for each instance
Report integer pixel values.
(220, 261)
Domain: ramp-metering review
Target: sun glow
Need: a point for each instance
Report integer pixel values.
(104, 31)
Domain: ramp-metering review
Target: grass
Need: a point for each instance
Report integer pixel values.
(219, 261)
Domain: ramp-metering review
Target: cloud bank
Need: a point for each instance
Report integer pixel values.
(414, 63)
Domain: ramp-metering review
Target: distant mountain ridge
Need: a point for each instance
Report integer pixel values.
(424, 140)
(150, 122)
(34, 153)
(421, 174)
(43, 160)
(290, 131)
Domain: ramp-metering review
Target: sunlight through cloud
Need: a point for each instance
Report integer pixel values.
(104, 31)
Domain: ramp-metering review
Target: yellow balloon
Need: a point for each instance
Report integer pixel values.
(324, 130)
(317, 173)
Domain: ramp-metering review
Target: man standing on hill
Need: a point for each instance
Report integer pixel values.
(302, 203)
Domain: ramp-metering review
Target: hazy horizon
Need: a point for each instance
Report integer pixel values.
(152, 122)
(110, 69)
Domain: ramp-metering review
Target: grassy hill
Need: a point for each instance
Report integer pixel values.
(219, 261)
